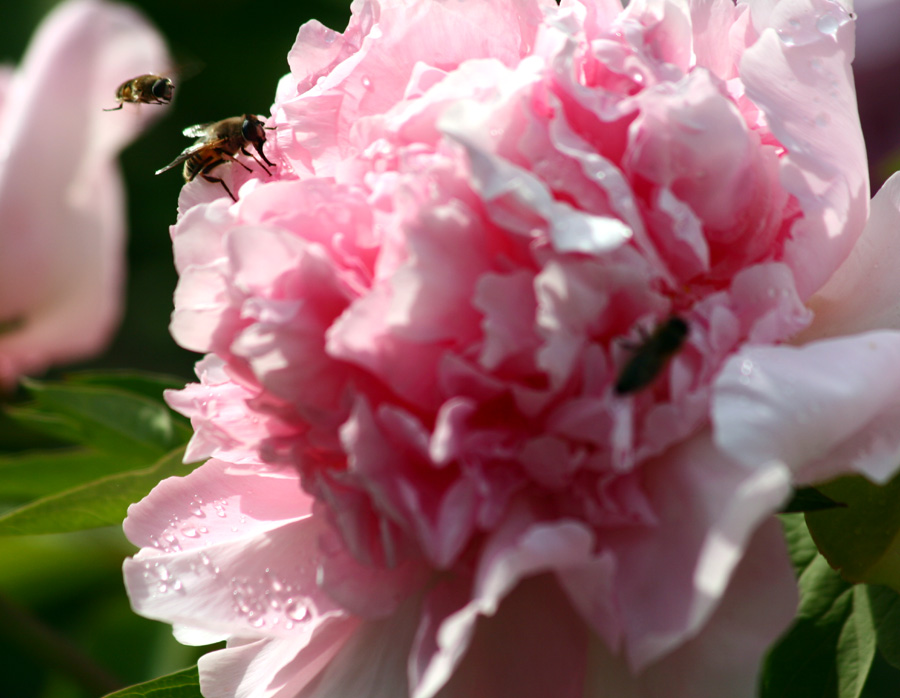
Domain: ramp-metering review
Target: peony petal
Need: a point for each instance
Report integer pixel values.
(372, 662)
(824, 409)
(808, 44)
(863, 293)
(533, 647)
(226, 501)
(519, 550)
(708, 507)
(722, 661)
(272, 669)
(263, 586)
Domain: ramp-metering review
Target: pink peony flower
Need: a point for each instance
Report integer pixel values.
(424, 478)
(62, 212)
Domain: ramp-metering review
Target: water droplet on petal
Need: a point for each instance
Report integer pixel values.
(295, 610)
(786, 39)
(828, 24)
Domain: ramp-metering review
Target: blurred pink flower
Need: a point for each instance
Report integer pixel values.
(423, 479)
(62, 210)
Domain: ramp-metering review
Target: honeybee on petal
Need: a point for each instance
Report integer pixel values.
(220, 142)
(144, 89)
(650, 357)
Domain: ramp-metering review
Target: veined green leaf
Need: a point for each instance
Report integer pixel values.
(828, 651)
(112, 420)
(181, 684)
(856, 646)
(100, 503)
(885, 604)
(34, 474)
(41, 426)
(149, 385)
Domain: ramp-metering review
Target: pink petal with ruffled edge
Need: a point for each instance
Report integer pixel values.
(864, 293)
(62, 231)
(809, 44)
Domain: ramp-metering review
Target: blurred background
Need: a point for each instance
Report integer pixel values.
(68, 590)
(66, 629)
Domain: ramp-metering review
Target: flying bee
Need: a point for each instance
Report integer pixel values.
(651, 356)
(144, 89)
(219, 142)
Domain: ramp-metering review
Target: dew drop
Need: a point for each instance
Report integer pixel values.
(203, 529)
(190, 532)
(366, 82)
(176, 585)
(786, 39)
(746, 371)
(162, 587)
(828, 24)
(295, 611)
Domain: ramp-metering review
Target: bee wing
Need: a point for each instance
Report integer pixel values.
(188, 153)
(197, 130)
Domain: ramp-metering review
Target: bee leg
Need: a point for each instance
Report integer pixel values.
(121, 104)
(213, 180)
(256, 159)
(228, 156)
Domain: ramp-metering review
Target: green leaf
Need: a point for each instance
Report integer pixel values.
(100, 503)
(856, 646)
(829, 649)
(59, 429)
(181, 684)
(862, 540)
(149, 385)
(18, 435)
(885, 604)
(111, 420)
(38, 473)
